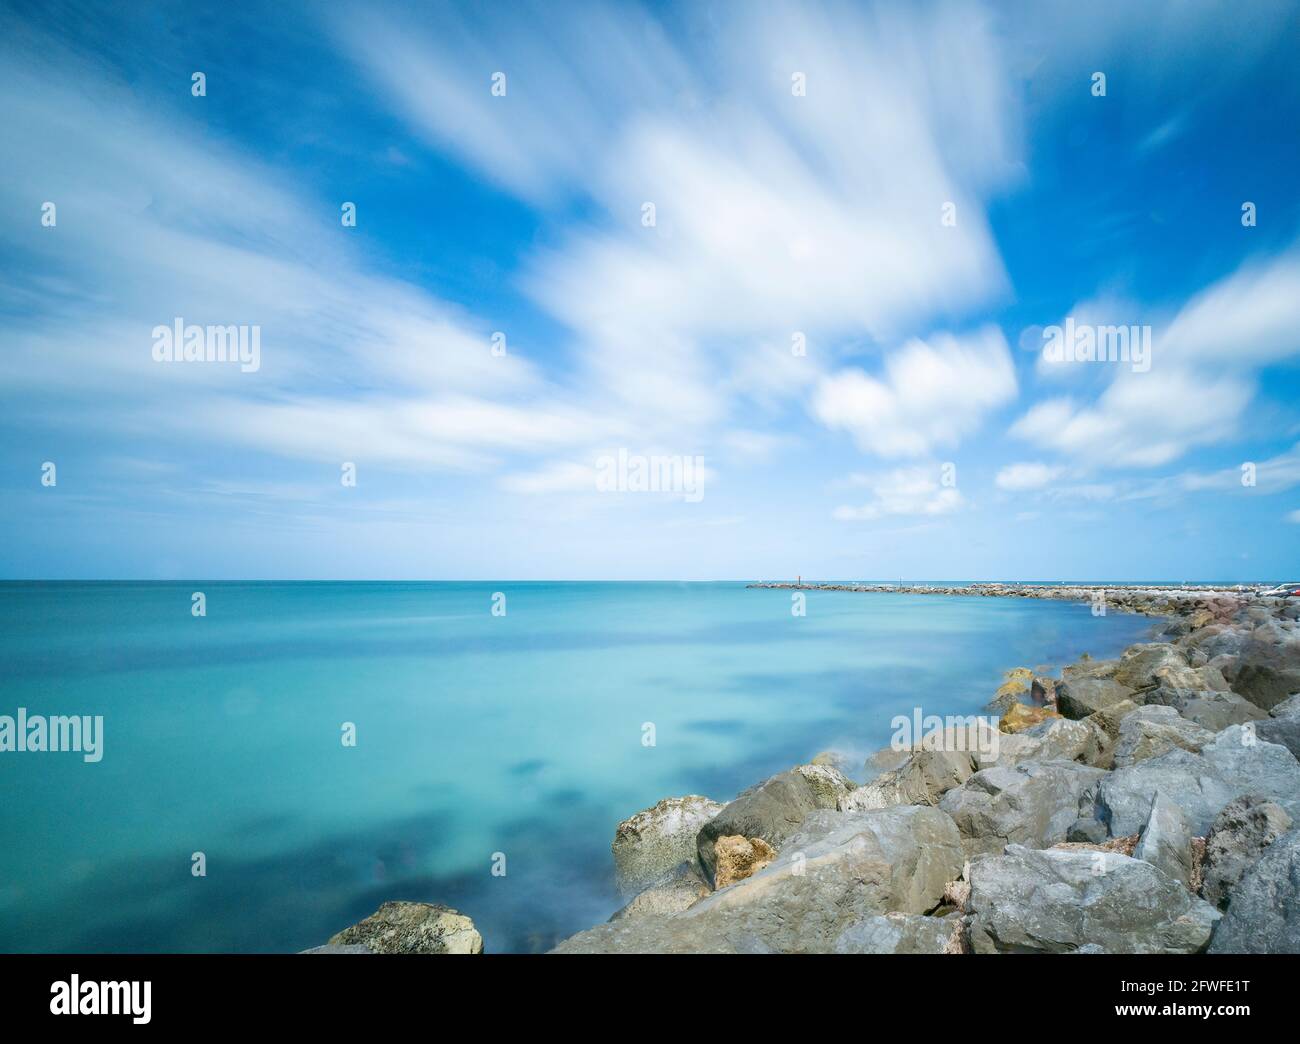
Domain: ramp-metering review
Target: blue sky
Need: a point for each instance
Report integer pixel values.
(921, 435)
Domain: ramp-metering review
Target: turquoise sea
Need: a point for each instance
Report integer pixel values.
(476, 734)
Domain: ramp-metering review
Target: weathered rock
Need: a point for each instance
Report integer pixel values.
(1108, 719)
(1151, 731)
(656, 840)
(1179, 678)
(886, 759)
(1069, 901)
(1201, 784)
(1021, 716)
(1283, 731)
(1240, 833)
(1264, 908)
(1042, 691)
(1086, 667)
(901, 933)
(403, 927)
(1079, 697)
(1056, 739)
(771, 810)
(835, 871)
(1105, 732)
(1265, 684)
(1087, 832)
(1166, 840)
(1139, 665)
(835, 759)
(350, 948)
(922, 780)
(1210, 709)
(738, 858)
(1033, 803)
(680, 889)
(829, 784)
(1288, 708)
(1015, 688)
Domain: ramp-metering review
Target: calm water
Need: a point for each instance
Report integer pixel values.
(476, 734)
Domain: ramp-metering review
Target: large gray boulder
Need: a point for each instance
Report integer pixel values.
(772, 810)
(1080, 697)
(1140, 665)
(1265, 684)
(1075, 900)
(1264, 908)
(1057, 739)
(1266, 668)
(838, 869)
(1033, 803)
(901, 933)
(403, 927)
(921, 780)
(1180, 678)
(1166, 840)
(656, 840)
(1151, 731)
(1210, 709)
(1284, 731)
(1288, 708)
(1236, 763)
(1240, 833)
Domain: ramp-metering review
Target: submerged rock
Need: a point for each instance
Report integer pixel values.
(656, 840)
(1240, 833)
(403, 927)
(1017, 686)
(1070, 901)
(835, 871)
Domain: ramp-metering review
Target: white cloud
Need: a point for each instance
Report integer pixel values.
(770, 219)
(1202, 376)
(1294, 516)
(1141, 419)
(903, 491)
(555, 477)
(930, 395)
(1250, 318)
(1019, 477)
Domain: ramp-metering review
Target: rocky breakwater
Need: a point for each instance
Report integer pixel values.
(1147, 804)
